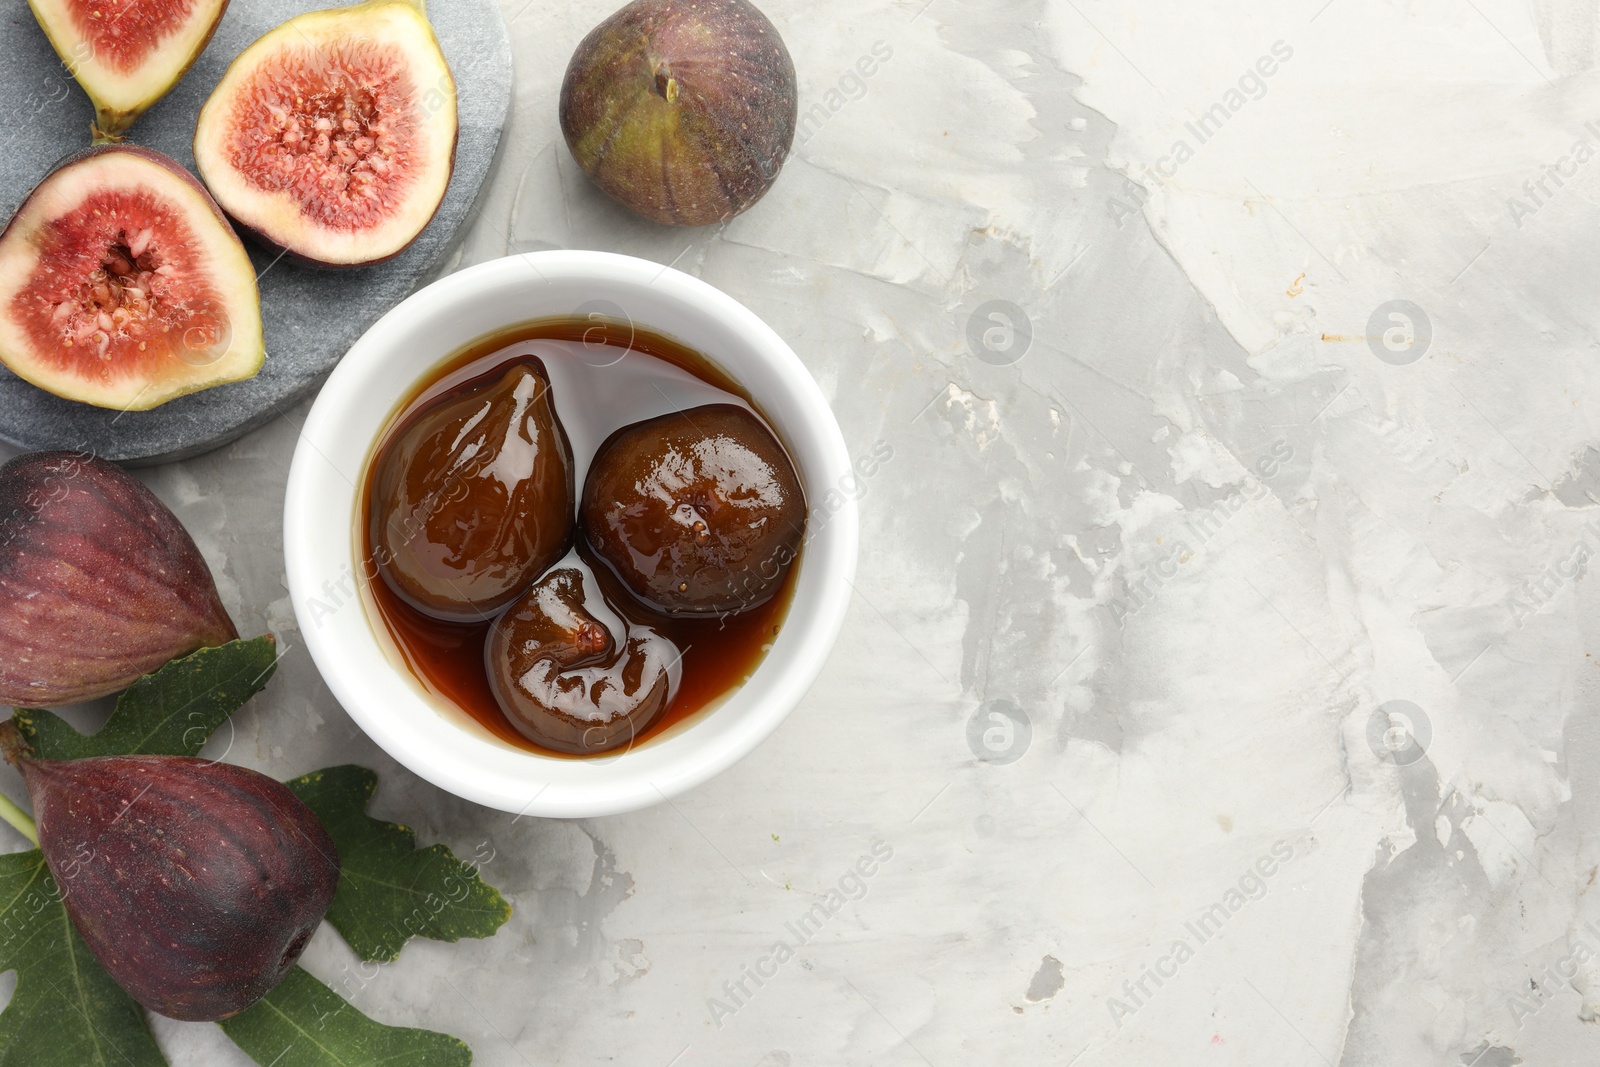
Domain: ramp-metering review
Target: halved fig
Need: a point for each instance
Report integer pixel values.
(123, 286)
(127, 53)
(333, 136)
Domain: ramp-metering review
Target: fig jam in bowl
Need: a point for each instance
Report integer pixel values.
(624, 362)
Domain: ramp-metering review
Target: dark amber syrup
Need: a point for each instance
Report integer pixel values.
(719, 653)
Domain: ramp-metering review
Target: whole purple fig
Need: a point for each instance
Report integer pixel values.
(195, 884)
(99, 582)
(682, 110)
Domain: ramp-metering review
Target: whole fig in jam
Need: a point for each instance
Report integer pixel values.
(682, 110)
(195, 884)
(99, 582)
(571, 674)
(698, 513)
(473, 498)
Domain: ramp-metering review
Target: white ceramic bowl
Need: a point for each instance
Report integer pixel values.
(352, 649)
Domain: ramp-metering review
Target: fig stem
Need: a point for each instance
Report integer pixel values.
(13, 746)
(15, 749)
(666, 86)
(19, 819)
(97, 136)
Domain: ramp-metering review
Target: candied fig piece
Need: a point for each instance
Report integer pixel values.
(195, 884)
(572, 674)
(697, 513)
(474, 498)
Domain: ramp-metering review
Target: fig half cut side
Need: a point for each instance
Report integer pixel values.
(333, 136)
(126, 54)
(123, 286)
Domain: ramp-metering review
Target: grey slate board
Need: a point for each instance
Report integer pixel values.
(311, 316)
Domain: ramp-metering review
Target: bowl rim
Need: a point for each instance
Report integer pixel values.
(693, 752)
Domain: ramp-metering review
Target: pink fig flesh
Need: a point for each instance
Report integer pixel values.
(195, 884)
(100, 583)
(333, 136)
(127, 55)
(123, 286)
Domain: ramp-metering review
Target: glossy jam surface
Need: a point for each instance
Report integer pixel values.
(573, 673)
(697, 513)
(474, 497)
(593, 635)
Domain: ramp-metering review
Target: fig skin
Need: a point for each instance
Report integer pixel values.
(473, 498)
(100, 583)
(697, 513)
(681, 110)
(195, 884)
(571, 681)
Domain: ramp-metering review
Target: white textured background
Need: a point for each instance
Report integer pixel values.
(1199, 533)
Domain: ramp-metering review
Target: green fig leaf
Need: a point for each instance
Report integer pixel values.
(389, 890)
(303, 1023)
(66, 1011)
(171, 712)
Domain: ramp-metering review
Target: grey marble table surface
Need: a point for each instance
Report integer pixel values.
(1219, 684)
